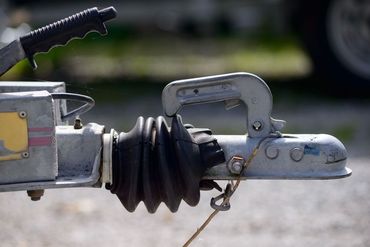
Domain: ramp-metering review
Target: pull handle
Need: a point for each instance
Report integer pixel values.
(230, 88)
(60, 32)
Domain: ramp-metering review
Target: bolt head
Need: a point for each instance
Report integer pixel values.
(35, 195)
(272, 152)
(296, 154)
(257, 125)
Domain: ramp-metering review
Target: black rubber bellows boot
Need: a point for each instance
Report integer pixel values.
(154, 163)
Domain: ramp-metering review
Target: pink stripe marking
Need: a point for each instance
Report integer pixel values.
(42, 129)
(40, 141)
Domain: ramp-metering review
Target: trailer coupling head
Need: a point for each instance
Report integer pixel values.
(153, 162)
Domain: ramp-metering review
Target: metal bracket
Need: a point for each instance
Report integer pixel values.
(230, 88)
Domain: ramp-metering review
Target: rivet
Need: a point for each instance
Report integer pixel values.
(272, 152)
(296, 154)
(22, 114)
(25, 155)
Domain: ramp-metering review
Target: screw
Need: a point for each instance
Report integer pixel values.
(236, 164)
(78, 124)
(22, 114)
(296, 154)
(35, 195)
(25, 155)
(272, 152)
(257, 126)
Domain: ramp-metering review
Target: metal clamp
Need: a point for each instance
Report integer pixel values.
(230, 88)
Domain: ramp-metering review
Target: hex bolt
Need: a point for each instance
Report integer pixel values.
(22, 114)
(272, 152)
(257, 125)
(35, 195)
(236, 164)
(296, 154)
(78, 124)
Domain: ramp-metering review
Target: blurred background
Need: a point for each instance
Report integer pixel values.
(315, 57)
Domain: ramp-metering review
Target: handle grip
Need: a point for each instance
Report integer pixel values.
(60, 32)
(230, 88)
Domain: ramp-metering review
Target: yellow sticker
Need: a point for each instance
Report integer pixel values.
(13, 135)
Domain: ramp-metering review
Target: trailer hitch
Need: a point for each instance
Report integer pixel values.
(285, 156)
(153, 162)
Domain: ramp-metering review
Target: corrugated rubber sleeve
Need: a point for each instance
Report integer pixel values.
(154, 163)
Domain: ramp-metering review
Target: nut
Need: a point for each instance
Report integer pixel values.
(35, 195)
(257, 125)
(236, 164)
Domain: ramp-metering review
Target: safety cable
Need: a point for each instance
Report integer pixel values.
(229, 190)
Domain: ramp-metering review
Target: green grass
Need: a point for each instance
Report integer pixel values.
(166, 57)
(345, 133)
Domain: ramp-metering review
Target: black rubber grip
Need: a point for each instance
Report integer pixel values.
(60, 32)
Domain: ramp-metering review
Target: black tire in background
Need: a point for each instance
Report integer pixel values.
(336, 34)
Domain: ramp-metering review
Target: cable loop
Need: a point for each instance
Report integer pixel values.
(225, 204)
(229, 190)
(89, 103)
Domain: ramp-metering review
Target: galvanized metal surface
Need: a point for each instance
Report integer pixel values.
(76, 152)
(321, 157)
(230, 88)
(79, 152)
(40, 163)
(79, 160)
(60, 106)
(287, 157)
